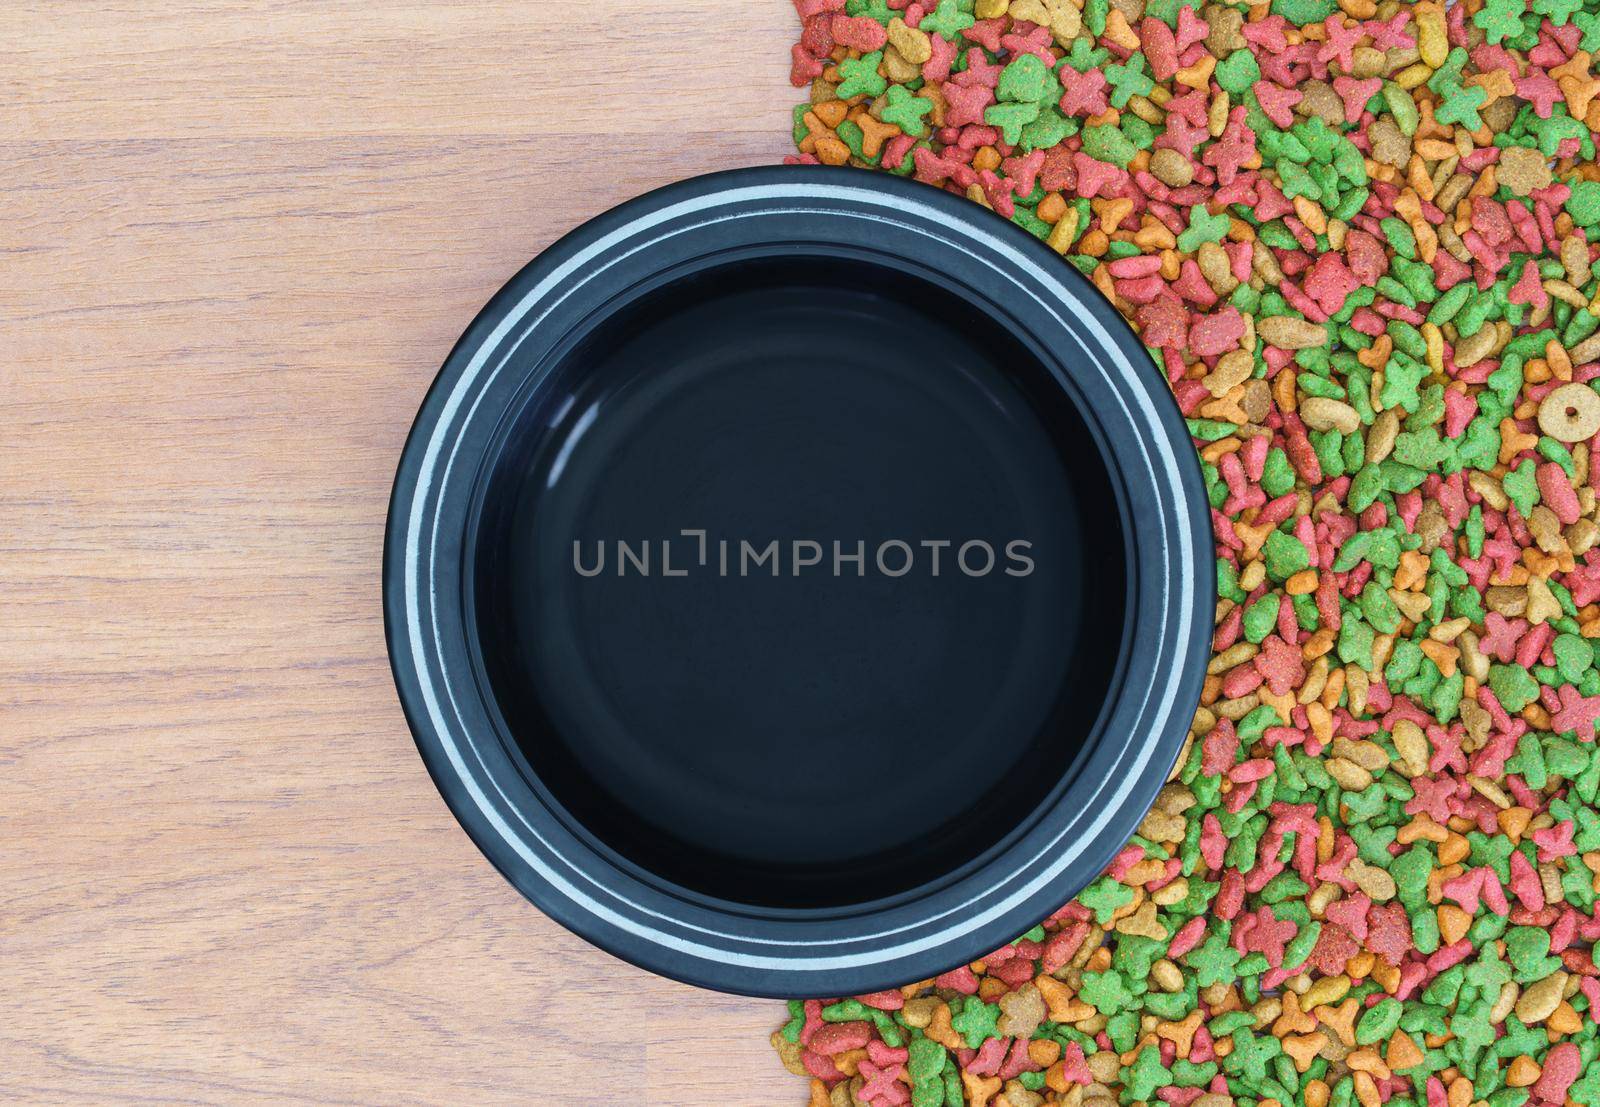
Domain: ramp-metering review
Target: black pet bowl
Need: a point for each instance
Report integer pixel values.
(798, 581)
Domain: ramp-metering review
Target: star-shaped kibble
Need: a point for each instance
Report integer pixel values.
(1251, 1054)
(906, 110)
(1500, 19)
(860, 76)
(1461, 106)
(947, 20)
(1146, 1075)
(1213, 961)
(976, 1020)
(1105, 992)
(1128, 80)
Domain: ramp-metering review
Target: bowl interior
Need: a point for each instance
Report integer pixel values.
(797, 582)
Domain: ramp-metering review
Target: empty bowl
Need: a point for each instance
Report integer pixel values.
(798, 581)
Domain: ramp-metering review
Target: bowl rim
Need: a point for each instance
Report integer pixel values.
(727, 946)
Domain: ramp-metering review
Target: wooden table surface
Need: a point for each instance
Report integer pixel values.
(236, 241)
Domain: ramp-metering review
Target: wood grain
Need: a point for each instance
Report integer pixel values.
(236, 241)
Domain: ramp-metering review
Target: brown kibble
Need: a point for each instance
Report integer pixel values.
(1168, 977)
(1324, 103)
(1539, 999)
(1217, 269)
(1256, 402)
(1389, 143)
(1453, 922)
(1412, 746)
(1546, 529)
(897, 67)
(1542, 603)
(1470, 351)
(1021, 1012)
(1288, 333)
(1325, 413)
(1348, 775)
(1586, 351)
(1575, 259)
(980, 1089)
(1019, 1094)
(1233, 369)
(789, 1053)
(1171, 168)
(1522, 169)
(1581, 536)
(1104, 1066)
(1514, 820)
(913, 44)
(1570, 413)
(919, 1012)
(1381, 438)
(1498, 114)
(1506, 599)
(1375, 882)
(849, 1062)
(1158, 826)
(1143, 922)
(1226, 30)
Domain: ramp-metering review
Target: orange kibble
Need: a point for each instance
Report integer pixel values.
(1387, 976)
(1454, 848)
(1154, 235)
(991, 988)
(1402, 1053)
(1318, 644)
(1367, 1060)
(1376, 356)
(1522, 1072)
(1341, 1019)
(1564, 1019)
(940, 1030)
(849, 1062)
(980, 1089)
(1302, 583)
(1303, 1048)
(1514, 821)
(1283, 393)
(1453, 923)
(832, 113)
